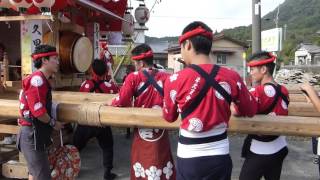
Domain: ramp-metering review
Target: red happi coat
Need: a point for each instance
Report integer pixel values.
(33, 97)
(182, 88)
(150, 154)
(265, 94)
(107, 87)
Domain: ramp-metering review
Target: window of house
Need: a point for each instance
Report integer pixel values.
(221, 59)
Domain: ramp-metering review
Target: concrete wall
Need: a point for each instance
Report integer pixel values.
(304, 55)
(173, 63)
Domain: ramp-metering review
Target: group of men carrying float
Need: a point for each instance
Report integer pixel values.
(203, 93)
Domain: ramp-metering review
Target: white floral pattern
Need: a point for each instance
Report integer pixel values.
(160, 83)
(168, 170)
(239, 85)
(37, 106)
(21, 106)
(36, 81)
(269, 91)
(173, 95)
(87, 86)
(226, 87)
(173, 77)
(107, 84)
(138, 170)
(284, 105)
(150, 135)
(20, 95)
(195, 125)
(26, 114)
(153, 173)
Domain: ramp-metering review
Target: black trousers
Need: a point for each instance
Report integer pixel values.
(37, 160)
(315, 149)
(104, 136)
(204, 168)
(268, 166)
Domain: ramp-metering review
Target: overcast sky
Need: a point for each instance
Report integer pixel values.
(170, 16)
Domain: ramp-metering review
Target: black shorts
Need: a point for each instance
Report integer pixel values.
(257, 166)
(37, 161)
(204, 168)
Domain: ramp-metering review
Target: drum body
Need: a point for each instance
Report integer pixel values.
(75, 51)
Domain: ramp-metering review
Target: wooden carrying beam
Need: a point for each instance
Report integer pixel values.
(9, 129)
(98, 115)
(297, 98)
(295, 108)
(298, 108)
(76, 97)
(80, 97)
(68, 97)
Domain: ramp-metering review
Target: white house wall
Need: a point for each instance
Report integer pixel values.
(302, 52)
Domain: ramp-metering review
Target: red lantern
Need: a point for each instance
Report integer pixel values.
(21, 5)
(128, 27)
(44, 5)
(142, 14)
(4, 4)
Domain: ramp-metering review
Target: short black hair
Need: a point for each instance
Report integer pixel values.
(42, 49)
(143, 48)
(261, 55)
(201, 44)
(99, 67)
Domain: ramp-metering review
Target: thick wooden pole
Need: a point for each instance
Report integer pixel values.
(297, 98)
(140, 117)
(80, 97)
(296, 108)
(68, 96)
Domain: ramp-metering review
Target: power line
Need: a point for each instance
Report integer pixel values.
(198, 17)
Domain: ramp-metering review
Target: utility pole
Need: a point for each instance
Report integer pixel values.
(256, 26)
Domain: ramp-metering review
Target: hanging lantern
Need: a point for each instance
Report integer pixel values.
(44, 5)
(21, 5)
(128, 27)
(142, 14)
(4, 5)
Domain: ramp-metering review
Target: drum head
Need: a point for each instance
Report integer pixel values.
(82, 56)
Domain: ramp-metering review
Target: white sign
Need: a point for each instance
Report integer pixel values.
(35, 28)
(271, 40)
(31, 37)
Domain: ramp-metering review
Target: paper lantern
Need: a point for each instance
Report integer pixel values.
(128, 27)
(44, 5)
(21, 5)
(4, 5)
(142, 14)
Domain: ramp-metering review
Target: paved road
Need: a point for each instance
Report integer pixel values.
(297, 166)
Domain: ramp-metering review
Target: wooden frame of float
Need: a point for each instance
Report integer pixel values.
(26, 17)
